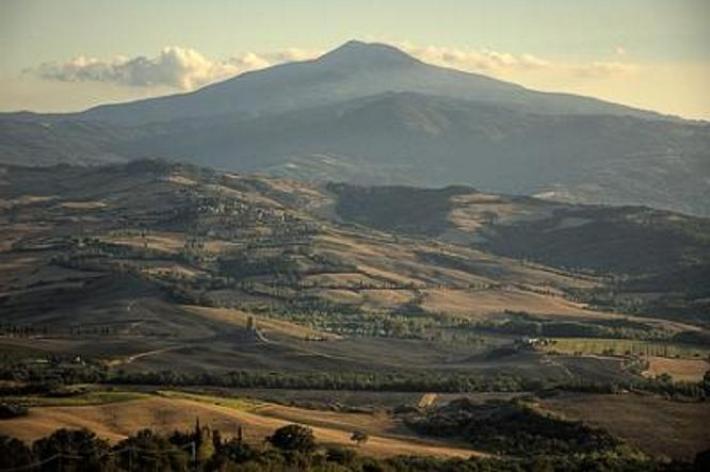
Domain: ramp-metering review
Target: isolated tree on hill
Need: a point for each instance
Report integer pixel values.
(359, 437)
(293, 437)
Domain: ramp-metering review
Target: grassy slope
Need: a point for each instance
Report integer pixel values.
(172, 410)
(653, 424)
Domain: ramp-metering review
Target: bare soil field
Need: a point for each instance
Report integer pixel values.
(689, 370)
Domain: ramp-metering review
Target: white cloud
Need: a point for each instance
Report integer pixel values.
(509, 65)
(478, 60)
(174, 66)
(602, 69)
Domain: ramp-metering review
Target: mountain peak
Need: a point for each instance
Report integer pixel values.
(360, 53)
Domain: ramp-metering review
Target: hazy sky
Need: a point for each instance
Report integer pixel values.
(72, 54)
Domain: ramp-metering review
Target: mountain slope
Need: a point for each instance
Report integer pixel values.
(423, 140)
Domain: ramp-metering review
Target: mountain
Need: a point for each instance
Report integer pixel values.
(353, 70)
(370, 113)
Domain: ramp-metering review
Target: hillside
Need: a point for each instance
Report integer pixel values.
(657, 260)
(149, 265)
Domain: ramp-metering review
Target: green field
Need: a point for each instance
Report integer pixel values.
(236, 403)
(620, 347)
(83, 399)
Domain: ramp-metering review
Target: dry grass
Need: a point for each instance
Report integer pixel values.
(691, 370)
(480, 303)
(266, 325)
(347, 297)
(116, 421)
(656, 425)
(180, 180)
(345, 279)
(175, 270)
(92, 205)
(427, 400)
(166, 242)
(380, 299)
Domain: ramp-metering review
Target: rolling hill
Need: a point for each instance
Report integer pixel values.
(165, 263)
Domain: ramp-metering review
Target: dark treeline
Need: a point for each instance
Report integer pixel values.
(44, 379)
(290, 448)
(523, 323)
(413, 382)
(368, 381)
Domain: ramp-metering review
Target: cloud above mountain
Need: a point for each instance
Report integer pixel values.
(187, 69)
(500, 63)
(174, 66)
(475, 59)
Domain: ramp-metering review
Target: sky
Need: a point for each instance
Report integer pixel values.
(72, 54)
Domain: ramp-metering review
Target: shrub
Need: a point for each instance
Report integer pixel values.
(293, 437)
(11, 410)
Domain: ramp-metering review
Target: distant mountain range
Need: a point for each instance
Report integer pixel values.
(369, 113)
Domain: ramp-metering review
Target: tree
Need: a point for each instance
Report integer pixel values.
(293, 437)
(359, 437)
(81, 443)
(147, 450)
(340, 455)
(237, 451)
(702, 460)
(14, 453)
(11, 410)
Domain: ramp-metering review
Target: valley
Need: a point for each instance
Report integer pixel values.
(256, 301)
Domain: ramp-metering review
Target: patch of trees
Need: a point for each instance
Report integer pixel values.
(43, 379)
(400, 209)
(513, 428)
(44, 374)
(290, 448)
(12, 410)
(661, 385)
(524, 324)
(242, 267)
(362, 381)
